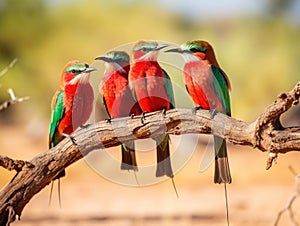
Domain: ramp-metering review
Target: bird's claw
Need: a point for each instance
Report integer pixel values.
(164, 111)
(85, 126)
(108, 120)
(71, 138)
(143, 118)
(132, 115)
(195, 109)
(213, 113)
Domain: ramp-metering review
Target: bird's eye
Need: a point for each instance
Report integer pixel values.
(194, 50)
(73, 71)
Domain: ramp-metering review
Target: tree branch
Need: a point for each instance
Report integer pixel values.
(13, 100)
(266, 134)
(12, 164)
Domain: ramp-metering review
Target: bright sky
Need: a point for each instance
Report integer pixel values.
(202, 9)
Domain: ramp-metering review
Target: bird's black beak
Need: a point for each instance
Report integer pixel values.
(89, 69)
(104, 58)
(161, 46)
(175, 50)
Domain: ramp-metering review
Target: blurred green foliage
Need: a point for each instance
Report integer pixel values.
(260, 55)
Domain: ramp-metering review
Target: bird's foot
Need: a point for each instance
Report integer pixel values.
(213, 113)
(195, 109)
(132, 115)
(143, 118)
(71, 138)
(108, 120)
(164, 112)
(85, 126)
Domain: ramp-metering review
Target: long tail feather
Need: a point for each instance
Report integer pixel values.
(222, 170)
(51, 190)
(226, 203)
(128, 156)
(61, 174)
(59, 196)
(174, 186)
(163, 156)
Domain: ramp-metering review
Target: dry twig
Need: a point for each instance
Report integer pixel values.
(5, 70)
(13, 98)
(290, 202)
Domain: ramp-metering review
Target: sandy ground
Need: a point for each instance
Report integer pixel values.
(255, 196)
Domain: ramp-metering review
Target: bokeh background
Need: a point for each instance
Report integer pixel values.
(257, 43)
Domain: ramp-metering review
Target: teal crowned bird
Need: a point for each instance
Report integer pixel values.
(152, 88)
(118, 99)
(71, 105)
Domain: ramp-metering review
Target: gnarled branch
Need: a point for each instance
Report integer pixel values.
(266, 134)
(13, 164)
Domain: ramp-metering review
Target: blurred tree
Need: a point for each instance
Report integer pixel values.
(20, 22)
(279, 7)
(44, 34)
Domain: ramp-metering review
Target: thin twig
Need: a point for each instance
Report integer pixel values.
(289, 207)
(13, 98)
(12, 101)
(4, 71)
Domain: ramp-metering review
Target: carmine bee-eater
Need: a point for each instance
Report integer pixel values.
(71, 105)
(208, 86)
(152, 88)
(118, 99)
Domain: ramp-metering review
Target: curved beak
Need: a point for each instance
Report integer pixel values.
(104, 58)
(161, 46)
(89, 69)
(175, 50)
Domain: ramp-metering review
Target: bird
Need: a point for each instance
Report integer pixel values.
(71, 106)
(208, 86)
(152, 88)
(118, 99)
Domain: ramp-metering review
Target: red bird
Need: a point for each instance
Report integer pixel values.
(118, 99)
(152, 88)
(71, 105)
(208, 86)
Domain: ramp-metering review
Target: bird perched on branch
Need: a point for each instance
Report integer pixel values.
(71, 105)
(152, 88)
(208, 86)
(117, 98)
